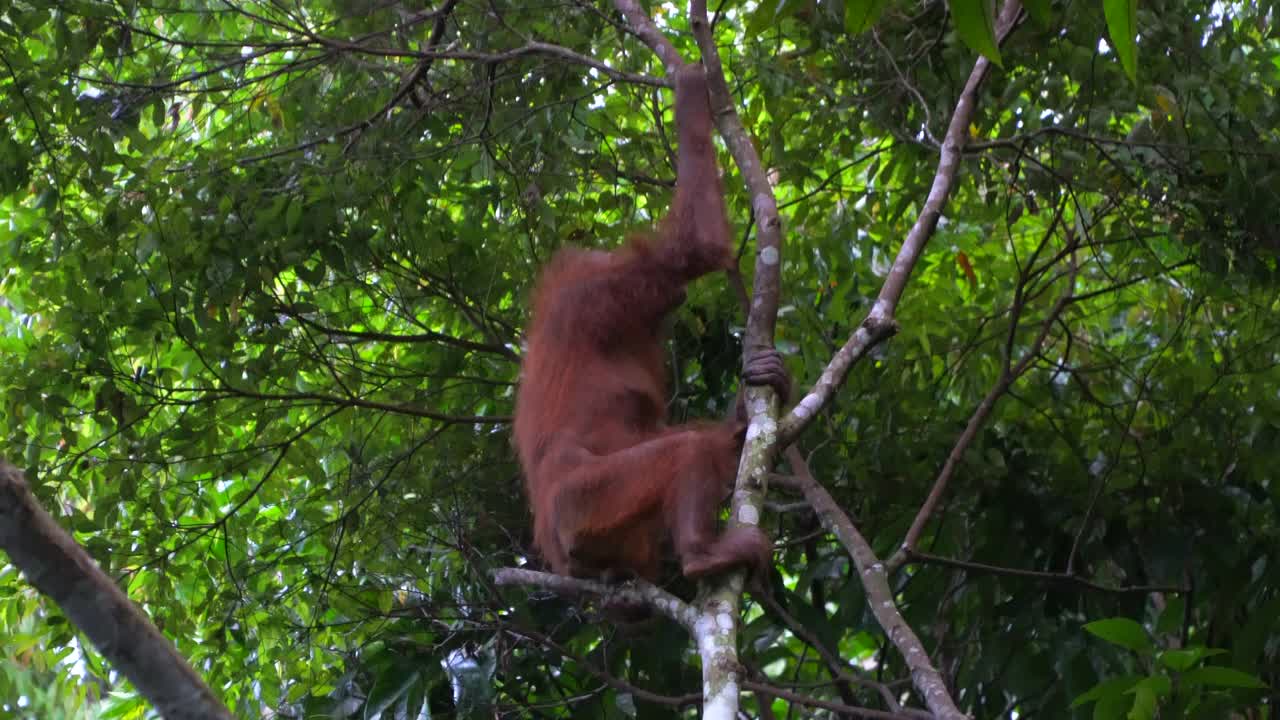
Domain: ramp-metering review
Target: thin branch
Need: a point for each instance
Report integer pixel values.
(530, 48)
(1017, 141)
(1057, 578)
(1008, 376)
(357, 402)
(838, 668)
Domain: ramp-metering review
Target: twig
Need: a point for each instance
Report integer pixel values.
(650, 35)
(429, 336)
(676, 701)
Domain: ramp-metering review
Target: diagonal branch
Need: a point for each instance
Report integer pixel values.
(648, 32)
(835, 665)
(58, 567)
(926, 678)
(840, 709)
(880, 323)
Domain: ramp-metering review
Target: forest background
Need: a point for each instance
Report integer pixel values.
(263, 272)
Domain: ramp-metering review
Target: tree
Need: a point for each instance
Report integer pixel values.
(265, 277)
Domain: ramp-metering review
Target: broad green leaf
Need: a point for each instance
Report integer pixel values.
(861, 15)
(1181, 660)
(391, 685)
(1218, 676)
(1112, 687)
(975, 23)
(1123, 632)
(1144, 703)
(1122, 26)
(765, 15)
(1112, 707)
(1146, 696)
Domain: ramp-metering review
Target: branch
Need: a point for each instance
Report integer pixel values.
(356, 402)
(840, 709)
(762, 319)
(927, 680)
(59, 568)
(650, 35)
(1008, 376)
(1061, 578)
(420, 71)
(880, 323)
(430, 336)
(637, 592)
(529, 48)
(722, 608)
(676, 701)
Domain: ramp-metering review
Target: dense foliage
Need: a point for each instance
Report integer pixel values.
(262, 281)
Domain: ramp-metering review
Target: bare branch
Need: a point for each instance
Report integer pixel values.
(840, 709)
(838, 668)
(762, 318)
(358, 402)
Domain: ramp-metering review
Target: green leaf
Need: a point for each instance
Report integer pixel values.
(1112, 707)
(1041, 12)
(293, 215)
(1122, 25)
(1146, 694)
(763, 17)
(1123, 632)
(1144, 703)
(1217, 676)
(861, 15)
(975, 22)
(388, 687)
(1182, 660)
(1107, 689)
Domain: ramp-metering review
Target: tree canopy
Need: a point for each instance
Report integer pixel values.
(264, 270)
